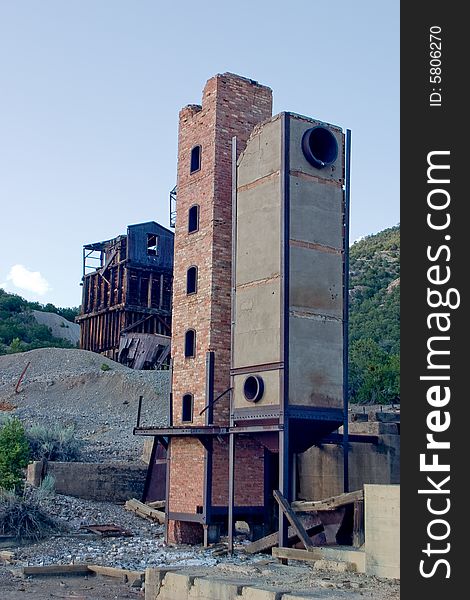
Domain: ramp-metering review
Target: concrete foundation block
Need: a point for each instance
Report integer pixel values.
(382, 529)
(174, 585)
(211, 589)
(253, 593)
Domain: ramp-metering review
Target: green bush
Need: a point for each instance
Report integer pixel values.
(105, 367)
(54, 443)
(374, 374)
(14, 454)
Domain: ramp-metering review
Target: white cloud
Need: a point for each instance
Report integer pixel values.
(31, 281)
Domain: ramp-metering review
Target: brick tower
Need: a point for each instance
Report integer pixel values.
(197, 489)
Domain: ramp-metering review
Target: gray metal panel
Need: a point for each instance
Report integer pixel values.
(257, 335)
(315, 362)
(262, 155)
(258, 232)
(271, 396)
(316, 212)
(315, 282)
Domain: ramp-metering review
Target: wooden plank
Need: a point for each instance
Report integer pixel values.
(329, 503)
(7, 555)
(272, 539)
(358, 524)
(79, 569)
(142, 510)
(157, 503)
(114, 572)
(293, 519)
(297, 554)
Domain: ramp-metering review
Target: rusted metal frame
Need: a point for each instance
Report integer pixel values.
(284, 449)
(231, 490)
(256, 413)
(167, 490)
(347, 193)
(208, 444)
(315, 414)
(257, 368)
(139, 410)
(151, 465)
(338, 439)
(232, 438)
(210, 374)
(182, 516)
(219, 397)
(256, 429)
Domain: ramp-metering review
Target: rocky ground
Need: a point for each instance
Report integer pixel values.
(70, 387)
(146, 548)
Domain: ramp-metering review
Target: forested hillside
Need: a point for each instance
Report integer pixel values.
(19, 330)
(375, 318)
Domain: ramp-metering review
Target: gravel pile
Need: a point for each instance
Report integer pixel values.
(145, 548)
(69, 387)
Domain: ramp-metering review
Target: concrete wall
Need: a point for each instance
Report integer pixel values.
(315, 274)
(104, 482)
(321, 468)
(382, 530)
(315, 212)
(161, 585)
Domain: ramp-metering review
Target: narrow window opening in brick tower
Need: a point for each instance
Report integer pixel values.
(195, 159)
(187, 411)
(191, 280)
(193, 218)
(152, 244)
(190, 343)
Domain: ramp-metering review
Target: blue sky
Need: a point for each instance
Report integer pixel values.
(89, 97)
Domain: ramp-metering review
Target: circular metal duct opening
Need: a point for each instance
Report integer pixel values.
(253, 388)
(319, 146)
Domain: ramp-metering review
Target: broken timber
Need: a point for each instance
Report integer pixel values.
(79, 569)
(293, 520)
(110, 530)
(329, 503)
(269, 541)
(156, 504)
(120, 573)
(316, 555)
(143, 510)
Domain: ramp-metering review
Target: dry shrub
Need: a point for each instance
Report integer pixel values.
(23, 517)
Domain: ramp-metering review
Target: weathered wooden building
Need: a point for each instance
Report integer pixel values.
(126, 300)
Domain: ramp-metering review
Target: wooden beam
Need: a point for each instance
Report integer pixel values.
(285, 554)
(293, 520)
(298, 554)
(114, 572)
(79, 569)
(271, 540)
(358, 524)
(157, 503)
(329, 503)
(142, 510)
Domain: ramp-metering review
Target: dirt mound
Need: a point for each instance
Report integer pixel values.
(59, 327)
(70, 387)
